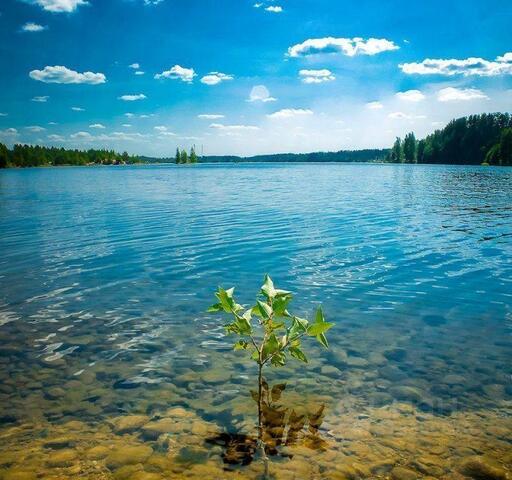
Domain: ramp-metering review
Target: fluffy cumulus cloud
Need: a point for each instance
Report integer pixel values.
(214, 78)
(466, 67)
(41, 99)
(59, 6)
(260, 93)
(274, 9)
(178, 73)
(97, 125)
(210, 116)
(134, 66)
(35, 129)
(452, 94)
(346, 46)
(33, 27)
(290, 113)
(61, 74)
(316, 76)
(81, 136)
(374, 106)
(132, 98)
(411, 96)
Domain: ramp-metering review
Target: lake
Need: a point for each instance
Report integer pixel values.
(110, 367)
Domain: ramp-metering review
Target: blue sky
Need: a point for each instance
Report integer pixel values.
(247, 77)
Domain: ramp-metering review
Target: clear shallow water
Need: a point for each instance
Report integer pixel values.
(105, 274)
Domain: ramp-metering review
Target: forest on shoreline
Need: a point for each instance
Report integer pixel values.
(484, 139)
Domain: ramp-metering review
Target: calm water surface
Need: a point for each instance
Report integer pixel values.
(105, 274)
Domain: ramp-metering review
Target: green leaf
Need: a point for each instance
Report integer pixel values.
(319, 315)
(278, 360)
(215, 308)
(280, 305)
(299, 326)
(323, 340)
(226, 299)
(244, 325)
(271, 346)
(319, 328)
(297, 353)
(264, 309)
(268, 289)
(241, 345)
(255, 356)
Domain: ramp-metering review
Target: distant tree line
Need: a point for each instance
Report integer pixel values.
(473, 140)
(37, 156)
(183, 157)
(368, 155)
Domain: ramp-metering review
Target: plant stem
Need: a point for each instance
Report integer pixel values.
(261, 443)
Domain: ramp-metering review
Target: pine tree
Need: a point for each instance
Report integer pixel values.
(396, 155)
(193, 156)
(4, 155)
(184, 157)
(409, 148)
(178, 156)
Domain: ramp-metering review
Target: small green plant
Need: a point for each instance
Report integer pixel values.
(269, 333)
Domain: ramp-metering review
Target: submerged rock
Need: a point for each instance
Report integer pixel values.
(401, 473)
(62, 458)
(128, 455)
(128, 423)
(479, 468)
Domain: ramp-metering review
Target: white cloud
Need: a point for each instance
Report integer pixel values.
(374, 106)
(505, 58)
(9, 132)
(132, 98)
(451, 94)
(81, 135)
(41, 99)
(290, 113)
(274, 9)
(178, 73)
(78, 109)
(135, 66)
(126, 125)
(411, 96)
(55, 138)
(33, 27)
(60, 74)
(59, 6)
(316, 76)
(3, 114)
(466, 67)
(129, 115)
(210, 116)
(152, 2)
(405, 116)
(160, 128)
(139, 72)
(36, 129)
(213, 78)
(97, 125)
(260, 93)
(346, 46)
(233, 128)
